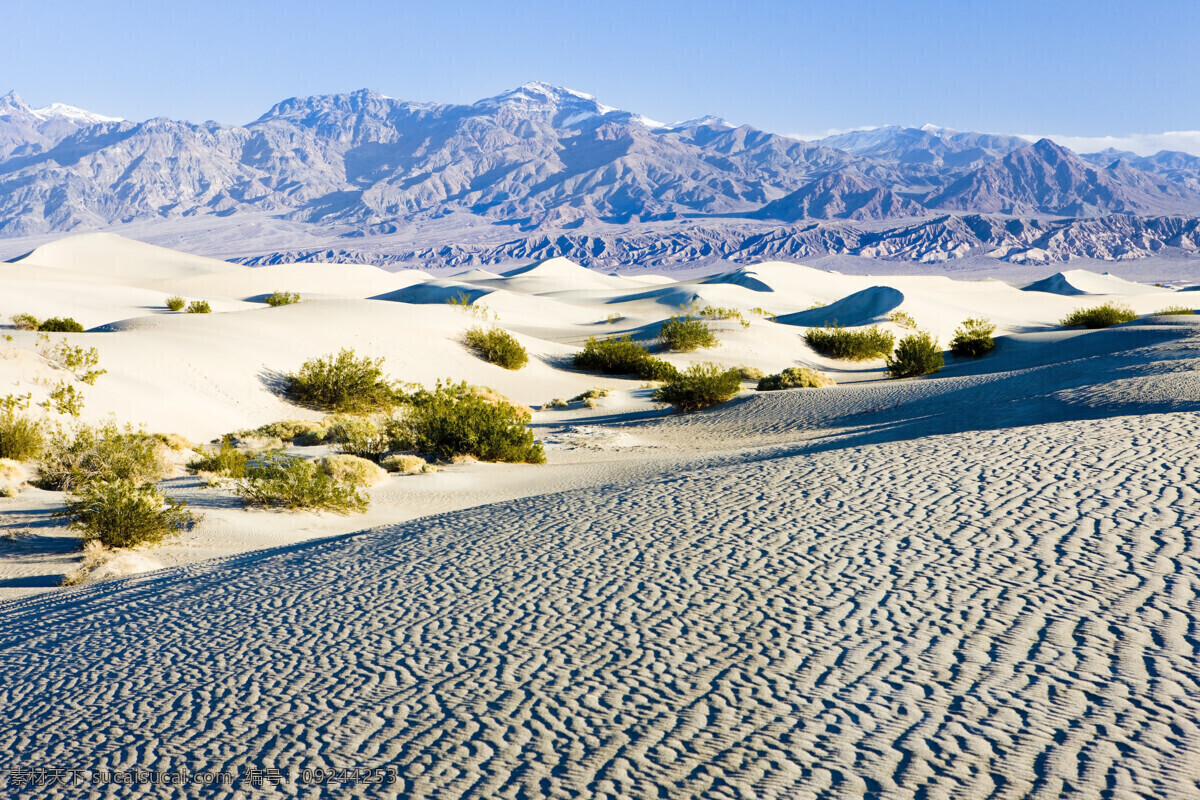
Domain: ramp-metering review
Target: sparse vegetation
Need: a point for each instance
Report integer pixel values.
(498, 347)
(25, 322)
(199, 307)
(622, 356)
(700, 386)
(718, 312)
(590, 394)
(122, 513)
(65, 399)
(795, 378)
(343, 383)
(1174, 311)
(175, 303)
(299, 431)
(456, 420)
(973, 338)
(60, 325)
(762, 312)
(903, 319)
(21, 438)
(685, 333)
(282, 299)
(365, 437)
(917, 354)
(462, 301)
(226, 461)
(108, 453)
(1101, 316)
(613, 319)
(835, 341)
(279, 480)
(558, 402)
(82, 362)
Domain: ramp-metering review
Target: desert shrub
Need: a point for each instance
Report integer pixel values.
(65, 399)
(749, 373)
(300, 431)
(455, 420)
(280, 480)
(226, 461)
(25, 322)
(343, 383)
(405, 463)
(365, 437)
(838, 342)
(686, 333)
(903, 319)
(558, 402)
(701, 386)
(122, 513)
(622, 356)
(60, 325)
(78, 360)
(915, 355)
(175, 303)
(282, 299)
(762, 312)
(497, 346)
(719, 312)
(613, 319)
(1174, 311)
(1101, 316)
(345, 468)
(199, 307)
(21, 438)
(107, 453)
(795, 378)
(174, 441)
(590, 394)
(973, 338)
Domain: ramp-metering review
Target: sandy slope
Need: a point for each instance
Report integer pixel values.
(978, 585)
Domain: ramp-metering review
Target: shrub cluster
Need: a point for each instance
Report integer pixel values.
(686, 333)
(282, 299)
(176, 303)
(226, 461)
(915, 355)
(21, 438)
(973, 338)
(795, 378)
(456, 420)
(622, 356)
(838, 342)
(701, 386)
(124, 513)
(60, 325)
(497, 346)
(343, 383)
(280, 480)
(107, 453)
(1101, 316)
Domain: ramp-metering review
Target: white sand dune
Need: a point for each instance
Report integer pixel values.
(979, 584)
(1078, 281)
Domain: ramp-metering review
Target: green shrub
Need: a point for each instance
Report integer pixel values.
(107, 453)
(82, 362)
(457, 420)
(345, 468)
(176, 303)
(280, 480)
(903, 319)
(795, 378)
(1101, 316)
(973, 338)
(1174, 311)
(25, 322)
(720, 312)
(199, 307)
(65, 399)
(60, 325)
(282, 299)
(121, 513)
(701, 386)
(21, 438)
(838, 342)
(915, 355)
(226, 461)
(343, 383)
(686, 333)
(622, 356)
(497, 346)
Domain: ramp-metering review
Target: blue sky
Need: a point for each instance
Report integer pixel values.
(1069, 68)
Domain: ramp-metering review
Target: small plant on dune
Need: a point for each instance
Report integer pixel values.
(915, 355)
(1174, 311)
(558, 402)
(497, 346)
(65, 399)
(279, 480)
(21, 438)
(762, 312)
(199, 307)
(700, 386)
(282, 299)
(590, 394)
(850, 345)
(462, 301)
(122, 513)
(60, 325)
(685, 333)
(81, 361)
(749, 373)
(817, 304)
(973, 338)
(719, 312)
(613, 319)
(175, 303)
(903, 319)
(226, 461)
(25, 322)
(622, 356)
(1101, 316)
(347, 469)
(795, 378)
(107, 453)
(343, 383)
(458, 420)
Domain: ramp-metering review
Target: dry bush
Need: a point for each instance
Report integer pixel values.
(352, 469)
(108, 453)
(795, 378)
(279, 480)
(404, 463)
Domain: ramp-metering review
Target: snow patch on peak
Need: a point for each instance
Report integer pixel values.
(73, 113)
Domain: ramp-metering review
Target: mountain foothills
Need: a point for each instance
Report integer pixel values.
(541, 171)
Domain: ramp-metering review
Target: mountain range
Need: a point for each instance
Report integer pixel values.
(542, 168)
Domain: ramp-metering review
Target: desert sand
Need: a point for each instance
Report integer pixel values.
(982, 583)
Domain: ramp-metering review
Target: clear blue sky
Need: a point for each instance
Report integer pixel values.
(1080, 68)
